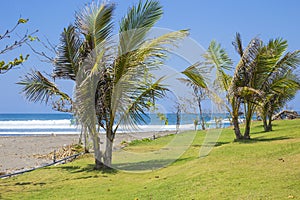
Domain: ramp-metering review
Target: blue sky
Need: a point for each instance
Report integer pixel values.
(206, 19)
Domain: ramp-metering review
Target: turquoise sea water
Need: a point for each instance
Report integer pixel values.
(37, 124)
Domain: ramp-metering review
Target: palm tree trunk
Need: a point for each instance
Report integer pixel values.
(108, 153)
(248, 121)
(85, 135)
(109, 147)
(97, 152)
(270, 128)
(237, 131)
(247, 130)
(201, 114)
(264, 119)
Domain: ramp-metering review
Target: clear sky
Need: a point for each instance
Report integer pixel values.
(206, 19)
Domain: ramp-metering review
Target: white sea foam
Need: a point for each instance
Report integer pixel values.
(37, 124)
(49, 127)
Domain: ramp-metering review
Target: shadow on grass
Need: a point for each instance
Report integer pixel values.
(147, 165)
(209, 144)
(261, 139)
(88, 168)
(23, 183)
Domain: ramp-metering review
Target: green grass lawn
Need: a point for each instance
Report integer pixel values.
(267, 167)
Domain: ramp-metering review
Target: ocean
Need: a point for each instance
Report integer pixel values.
(47, 124)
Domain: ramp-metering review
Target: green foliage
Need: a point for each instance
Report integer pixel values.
(5, 66)
(38, 88)
(137, 142)
(23, 21)
(263, 78)
(11, 64)
(114, 84)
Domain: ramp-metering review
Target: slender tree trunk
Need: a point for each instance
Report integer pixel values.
(85, 134)
(264, 119)
(248, 121)
(235, 104)
(237, 131)
(178, 119)
(80, 136)
(201, 114)
(97, 152)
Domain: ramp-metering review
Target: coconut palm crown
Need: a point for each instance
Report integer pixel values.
(114, 84)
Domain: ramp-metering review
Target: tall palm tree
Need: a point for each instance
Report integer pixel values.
(114, 81)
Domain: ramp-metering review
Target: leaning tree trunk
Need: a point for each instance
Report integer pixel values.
(235, 104)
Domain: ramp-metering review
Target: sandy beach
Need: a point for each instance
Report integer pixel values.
(18, 152)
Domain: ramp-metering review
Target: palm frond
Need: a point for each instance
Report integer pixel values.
(154, 51)
(38, 88)
(138, 103)
(197, 77)
(95, 22)
(243, 70)
(67, 61)
(217, 58)
(136, 24)
(238, 45)
(151, 53)
(84, 99)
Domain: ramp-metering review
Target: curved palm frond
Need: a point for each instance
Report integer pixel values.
(151, 54)
(154, 51)
(38, 88)
(243, 70)
(132, 34)
(217, 58)
(138, 102)
(290, 61)
(195, 75)
(67, 61)
(95, 23)
(136, 24)
(238, 45)
(266, 62)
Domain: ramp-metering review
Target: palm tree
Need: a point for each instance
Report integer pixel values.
(114, 81)
(217, 58)
(281, 89)
(195, 80)
(261, 73)
(270, 73)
